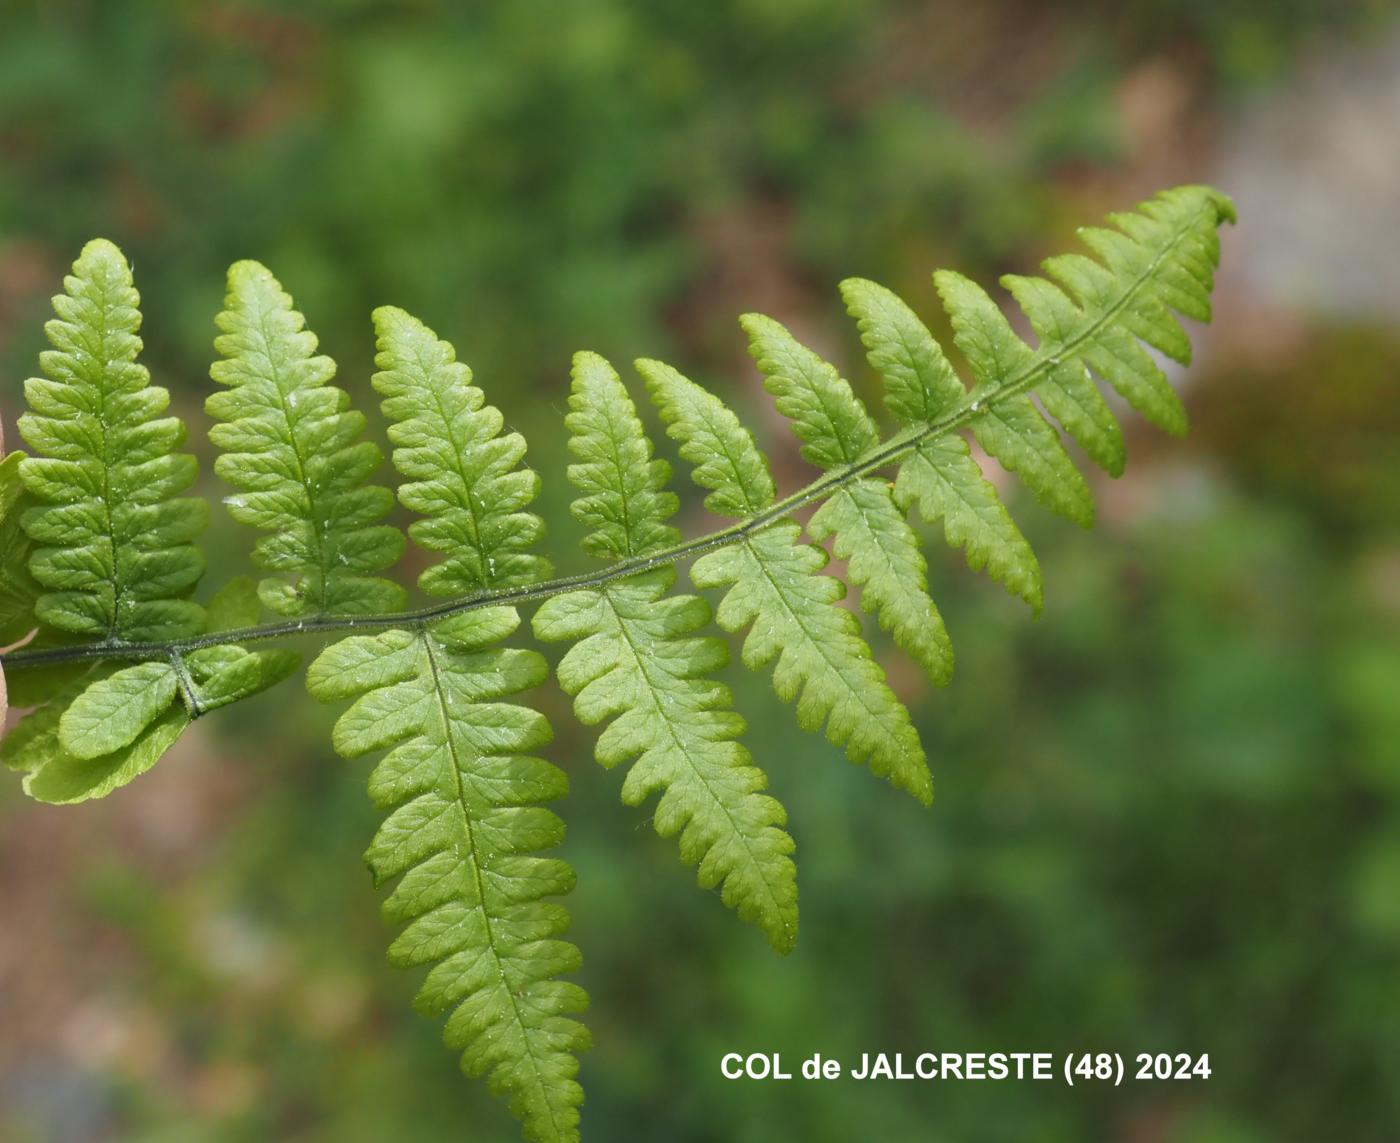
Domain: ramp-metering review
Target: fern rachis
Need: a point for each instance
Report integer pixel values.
(99, 557)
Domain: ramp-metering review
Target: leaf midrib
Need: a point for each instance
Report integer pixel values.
(474, 864)
(665, 717)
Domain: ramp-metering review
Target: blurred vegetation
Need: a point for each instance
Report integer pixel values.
(1169, 811)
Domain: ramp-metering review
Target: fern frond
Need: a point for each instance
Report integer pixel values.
(637, 659)
(871, 533)
(463, 475)
(778, 592)
(462, 840)
(625, 501)
(939, 477)
(825, 413)
(1011, 429)
(97, 552)
(867, 528)
(225, 673)
(1160, 257)
(464, 790)
(55, 775)
(943, 482)
(292, 450)
(113, 541)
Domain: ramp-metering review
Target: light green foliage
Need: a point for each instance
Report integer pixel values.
(225, 673)
(462, 840)
(122, 661)
(637, 659)
(939, 477)
(113, 540)
(1068, 391)
(867, 528)
(96, 729)
(777, 592)
(464, 790)
(723, 453)
(462, 474)
(53, 774)
(920, 385)
(625, 502)
(871, 532)
(18, 591)
(1011, 429)
(112, 712)
(825, 414)
(1161, 257)
(943, 482)
(114, 544)
(292, 450)
(792, 614)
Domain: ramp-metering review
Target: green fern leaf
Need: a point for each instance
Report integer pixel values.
(920, 384)
(825, 413)
(776, 591)
(227, 673)
(637, 659)
(18, 591)
(111, 714)
(625, 503)
(63, 779)
(462, 840)
(292, 452)
(463, 474)
(1162, 255)
(940, 477)
(97, 552)
(1011, 429)
(870, 532)
(944, 483)
(464, 790)
(868, 529)
(723, 454)
(95, 730)
(55, 775)
(113, 541)
(33, 741)
(822, 663)
(1068, 391)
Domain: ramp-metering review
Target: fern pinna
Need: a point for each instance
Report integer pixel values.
(99, 563)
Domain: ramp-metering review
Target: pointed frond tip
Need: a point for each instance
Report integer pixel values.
(100, 570)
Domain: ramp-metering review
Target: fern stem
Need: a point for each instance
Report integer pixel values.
(888, 452)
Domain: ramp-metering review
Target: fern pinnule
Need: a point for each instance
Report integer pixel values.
(459, 776)
(463, 475)
(110, 542)
(776, 591)
(113, 539)
(292, 451)
(867, 528)
(637, 659)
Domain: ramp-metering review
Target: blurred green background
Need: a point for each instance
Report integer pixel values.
(1169, 811)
